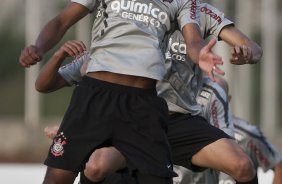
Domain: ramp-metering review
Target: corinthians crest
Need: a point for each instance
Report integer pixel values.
(58, 145)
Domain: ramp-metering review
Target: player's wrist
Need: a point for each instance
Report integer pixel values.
(59, 55)
(35, 52)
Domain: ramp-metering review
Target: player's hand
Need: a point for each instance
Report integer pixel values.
(208, 61)
(73, 48)
(29, 56)
(51, 132)
(241, 55)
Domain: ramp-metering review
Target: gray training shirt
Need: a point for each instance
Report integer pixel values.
(183, 79)
(73, 72)
(128, 36)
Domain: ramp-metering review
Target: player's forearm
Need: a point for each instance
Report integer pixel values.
(49, 79)
(194, 42)
(50, 35)
(53, 31)
(194, 49)
(233, 37)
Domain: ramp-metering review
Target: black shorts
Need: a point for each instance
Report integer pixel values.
(104, 114)
(189, 134)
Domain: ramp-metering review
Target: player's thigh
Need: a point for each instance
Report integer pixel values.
(59, 176)
(219, 154)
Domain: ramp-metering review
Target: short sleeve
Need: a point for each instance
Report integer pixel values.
(89, 4)
(71, 72)
(188, 13)
(212, 20)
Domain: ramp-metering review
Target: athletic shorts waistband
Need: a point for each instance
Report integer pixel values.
(117, 87)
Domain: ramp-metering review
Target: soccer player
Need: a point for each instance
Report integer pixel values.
(230, 164)
(126, 60)
(213, 98)
(52, 78)
(180, 87)
(250, 138)
(261, 151)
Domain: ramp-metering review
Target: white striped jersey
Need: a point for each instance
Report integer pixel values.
(215, 107)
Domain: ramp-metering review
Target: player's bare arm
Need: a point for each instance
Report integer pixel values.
(52, 33)
(200, 52)
(243, 50)
(49, 79)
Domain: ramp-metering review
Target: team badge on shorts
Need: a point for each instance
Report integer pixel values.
(58, 145)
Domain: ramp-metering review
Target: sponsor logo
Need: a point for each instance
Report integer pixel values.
(214, 113)
(178, 50)
(260, 156)
(211, 14)
(142, 12)
(178, 57)
(193, 9)
(58, 145)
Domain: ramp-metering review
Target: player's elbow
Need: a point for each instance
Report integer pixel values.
(41, 87)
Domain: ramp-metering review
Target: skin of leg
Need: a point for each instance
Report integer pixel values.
(106, 161)
(227, 156)
(59, 176)
(103, 162)
(278, 174)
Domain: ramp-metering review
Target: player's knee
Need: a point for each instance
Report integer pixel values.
(244, 170)
(96, 171)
